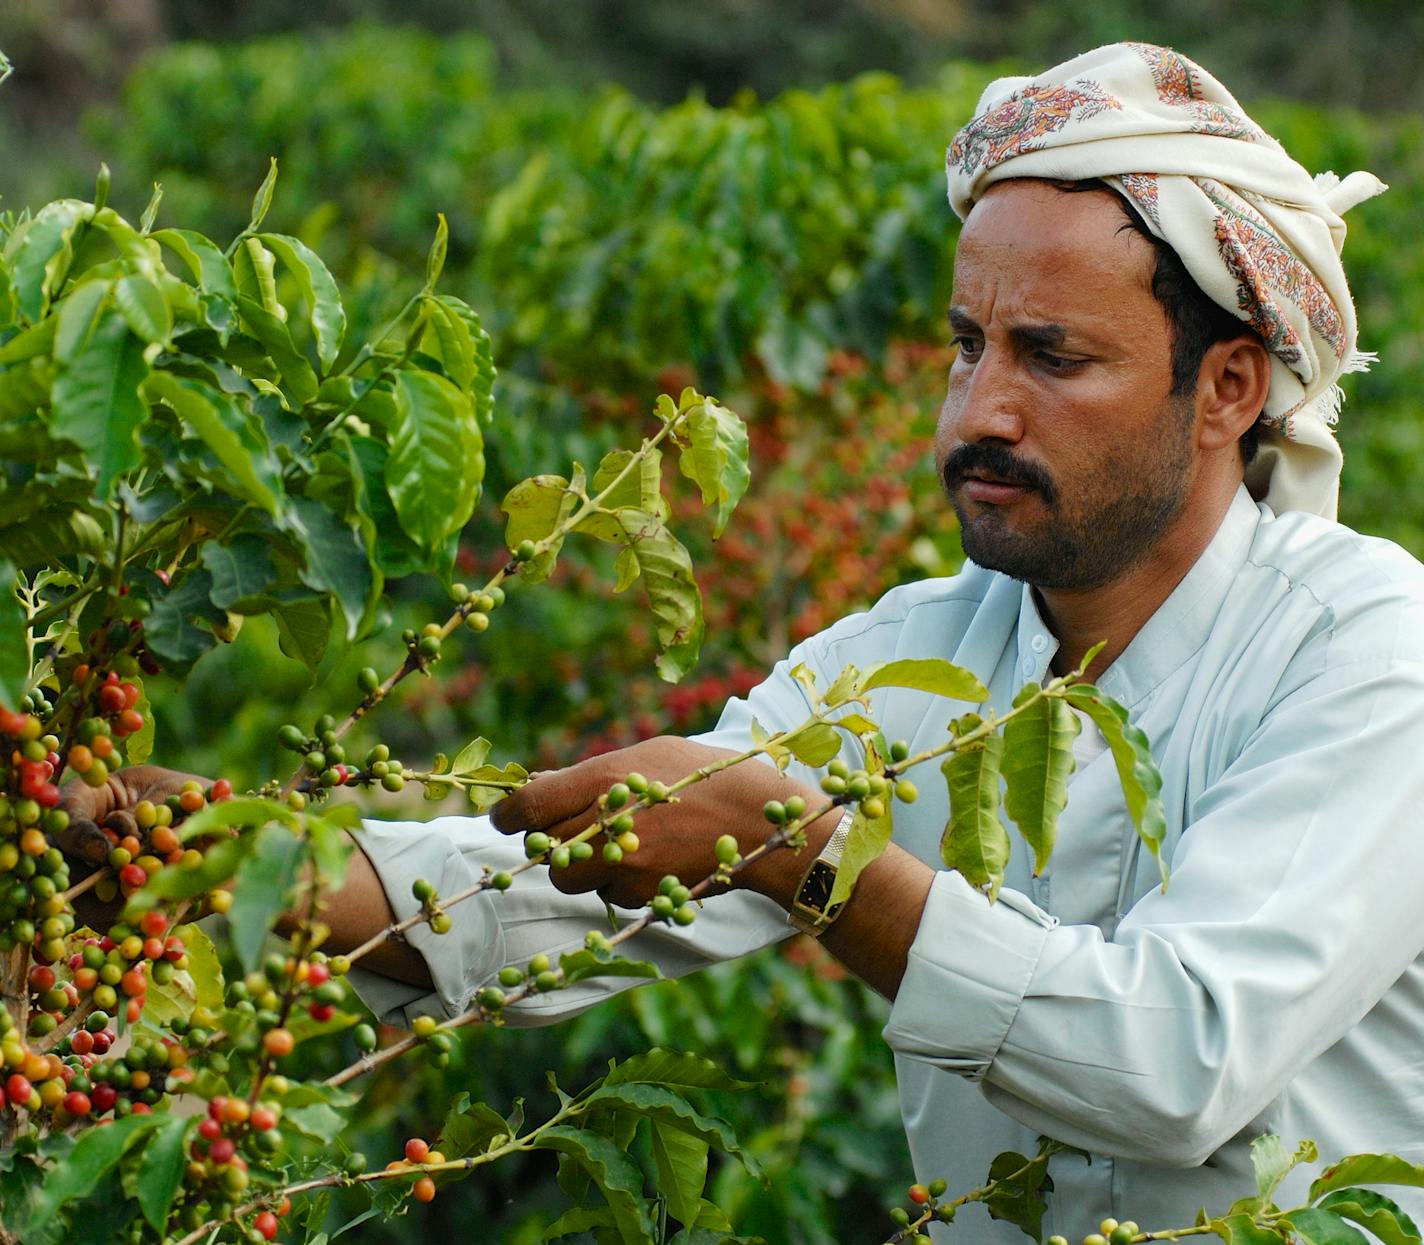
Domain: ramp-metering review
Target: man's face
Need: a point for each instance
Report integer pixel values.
(1062, 451)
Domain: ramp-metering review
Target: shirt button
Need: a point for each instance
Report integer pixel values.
(1038, 643)
(1028, 666)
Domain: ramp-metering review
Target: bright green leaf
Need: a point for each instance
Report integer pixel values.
(536, 507)
(716, 458)
(160, 1171)
(262, 200)
(14, 651)
(814, 744)
(1368, 1169)
(1038, 759)
(326, 314)
(1380, 1215)
(584, 963)
(296, 372)
(926, 674)
(672, 1067)
(205, 261)
(143, 307)
(436, 463)
(975, 841)
(865, 843)
(666, 571)
(640, 488)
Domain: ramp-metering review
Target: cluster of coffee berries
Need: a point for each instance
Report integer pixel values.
(924, 1198)
(32, 760)
(673, 902)
(234, 1132)
(418, 1155)
(1110, 1232)
(438, 1042)
(477, 606)
(323, 756)
(870, 790)
(436, 917)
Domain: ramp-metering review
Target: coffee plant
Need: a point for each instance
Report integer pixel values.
(189, 440)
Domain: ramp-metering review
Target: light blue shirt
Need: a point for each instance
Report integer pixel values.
(1275, 986)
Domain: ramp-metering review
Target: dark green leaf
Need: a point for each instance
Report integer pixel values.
(296, 373)
(579, 1219)
(95, 1155)
(926, 674)
(1038, 759)
(1323, 1227)
(96, 403)
(672, 1067)
(469, 1128)
(436, 463)
(680, 1159)
(303, 628)
(160, 1171)
(260, 891)
(975, 841)
(1368, 1169)
(577, 965)
(1136, 770)
(1018, 1197)
(615, 1174)
(52, 535)
(1380, 1215)
(335, 558)
(14, 651)
(657, 1102)
(242, 571)
(169, 633)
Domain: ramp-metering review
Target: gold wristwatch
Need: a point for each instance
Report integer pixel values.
(811, 910)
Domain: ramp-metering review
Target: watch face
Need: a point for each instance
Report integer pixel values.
(815, 894)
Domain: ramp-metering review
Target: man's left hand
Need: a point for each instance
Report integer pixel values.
(674, 838)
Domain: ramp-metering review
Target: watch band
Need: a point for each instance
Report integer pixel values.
(811, 909)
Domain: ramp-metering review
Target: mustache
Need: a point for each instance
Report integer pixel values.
(1000, 463)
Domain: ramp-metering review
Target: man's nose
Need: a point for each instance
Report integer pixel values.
(985, 402)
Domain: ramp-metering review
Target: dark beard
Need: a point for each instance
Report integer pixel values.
(1110, 531)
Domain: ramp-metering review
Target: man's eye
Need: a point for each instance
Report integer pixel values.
(969, 347)
(1057, 362)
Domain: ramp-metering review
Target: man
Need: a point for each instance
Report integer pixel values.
(1125, 346)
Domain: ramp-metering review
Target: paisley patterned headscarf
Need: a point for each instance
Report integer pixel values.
(1258, 234)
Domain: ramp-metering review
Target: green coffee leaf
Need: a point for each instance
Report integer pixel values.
(150, 211)
(435, 261)
(14, 651)
(1368, 1169)
(673, 597)
(1374, 1212)
(1018, 1196)
(71, 329)
(657, 1102)
(1242, 1230)
(262, 200)
(94, 1156)
(580, 1219)
(96, 404)
(865, 843)
(303, 629)
(160, 1171)
(975, 841)
(142, 305)
(926, 674)
(243, 572)
(1038, 759)
(436, 463)
(715, 458)
(470, 1128)
(335, 558)
(296, 373)
(234, 439)
(578, 965)
(500, 783)
(672, 1067)
(260, 890)
(471, 756)
(640, 489)
(40, 251)
(1136, 770)
(326, 315)
(615, 1174)
(536, 508)
(205, 261)
(453, 344)
(1323, 1227)
(480, 384)
(46, 537)
(680, 1160)
(1272, 1163)
(814, 744)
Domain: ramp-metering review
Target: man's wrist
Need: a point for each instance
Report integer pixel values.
(778, 874)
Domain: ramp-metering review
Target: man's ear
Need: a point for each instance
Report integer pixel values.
(1232, 384)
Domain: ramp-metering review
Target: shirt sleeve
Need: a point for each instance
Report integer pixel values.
(1293, 906)
(494, 929)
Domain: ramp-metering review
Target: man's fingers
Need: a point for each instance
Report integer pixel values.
(543, 802)
(84, 840)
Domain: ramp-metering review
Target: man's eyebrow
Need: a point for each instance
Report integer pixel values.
(1031, 335)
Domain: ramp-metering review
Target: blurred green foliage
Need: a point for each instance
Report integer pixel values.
(792, 257)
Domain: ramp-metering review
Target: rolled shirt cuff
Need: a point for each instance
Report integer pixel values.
(460, 960)
(968, 970)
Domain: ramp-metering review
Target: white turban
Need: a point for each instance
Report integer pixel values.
(1258, 234)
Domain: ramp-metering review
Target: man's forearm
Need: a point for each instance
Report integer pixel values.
(358, 911)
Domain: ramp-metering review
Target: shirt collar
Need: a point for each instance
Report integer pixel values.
(1178, 628)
